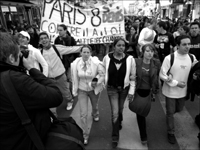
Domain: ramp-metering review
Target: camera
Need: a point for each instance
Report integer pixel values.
(24, 51)
(94, 80)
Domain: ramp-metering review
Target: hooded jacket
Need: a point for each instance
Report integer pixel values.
(37, 93)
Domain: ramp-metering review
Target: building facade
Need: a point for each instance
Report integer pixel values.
(19, 13)
(188, 9)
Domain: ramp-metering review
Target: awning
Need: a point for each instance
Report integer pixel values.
(17, 3)
(176, 4)
(165, 3)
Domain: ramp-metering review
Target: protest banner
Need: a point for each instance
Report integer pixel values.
(95, 25)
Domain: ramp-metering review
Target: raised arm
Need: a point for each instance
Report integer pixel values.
(63, 50)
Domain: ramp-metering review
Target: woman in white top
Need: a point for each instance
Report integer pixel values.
(87, 79)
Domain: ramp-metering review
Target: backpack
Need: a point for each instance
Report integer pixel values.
(172, 61)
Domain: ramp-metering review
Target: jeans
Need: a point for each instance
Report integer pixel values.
(69, 79)
(117, 98)
(83, 100)
(142, 127)
(62, 84)
(172, 106)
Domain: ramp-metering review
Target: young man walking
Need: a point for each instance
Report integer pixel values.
(52, 54)
(66, 39)
(195, 39)
(175, 79)
(163, 41)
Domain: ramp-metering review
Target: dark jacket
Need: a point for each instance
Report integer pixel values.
(67, 41)
(154, 67)
(132, 43)
(38, 94)
(193, 85)
(34, 41)
(195, 46)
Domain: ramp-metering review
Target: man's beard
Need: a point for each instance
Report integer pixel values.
(194, 34)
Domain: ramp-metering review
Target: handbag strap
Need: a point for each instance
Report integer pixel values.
(20, 110)
(63, 136)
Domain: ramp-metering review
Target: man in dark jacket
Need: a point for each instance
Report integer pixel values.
(194, 88)
(195, 39)
(36, 92)
(66, 39)
(34, 38)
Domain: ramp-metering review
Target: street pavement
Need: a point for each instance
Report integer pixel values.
(100, 132)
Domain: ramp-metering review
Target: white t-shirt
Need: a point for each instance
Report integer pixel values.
(180, 71)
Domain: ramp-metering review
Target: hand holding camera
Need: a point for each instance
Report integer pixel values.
(24, 50)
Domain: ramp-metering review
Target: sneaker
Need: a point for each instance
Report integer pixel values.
(171, 138)
(144, 142)
(85, 141)
(114, 144)
(96, 118)
(69, 105)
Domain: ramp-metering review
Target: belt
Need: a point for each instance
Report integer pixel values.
(116, 87)
(58, 77)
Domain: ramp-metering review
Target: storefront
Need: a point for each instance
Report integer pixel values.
(177, 8)
(165, 9)
(187, 9)
(18, 13)
(196, 11)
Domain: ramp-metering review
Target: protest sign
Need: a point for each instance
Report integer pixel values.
(96, 25)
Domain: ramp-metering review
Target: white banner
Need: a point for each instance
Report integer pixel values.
(95, 25)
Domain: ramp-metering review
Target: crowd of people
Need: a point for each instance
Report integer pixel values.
(153, 55)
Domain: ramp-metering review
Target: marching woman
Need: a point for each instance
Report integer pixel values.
(146, 87)
(120, 67)
(87, 79)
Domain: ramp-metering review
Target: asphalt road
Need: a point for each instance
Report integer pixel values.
(100, 132)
